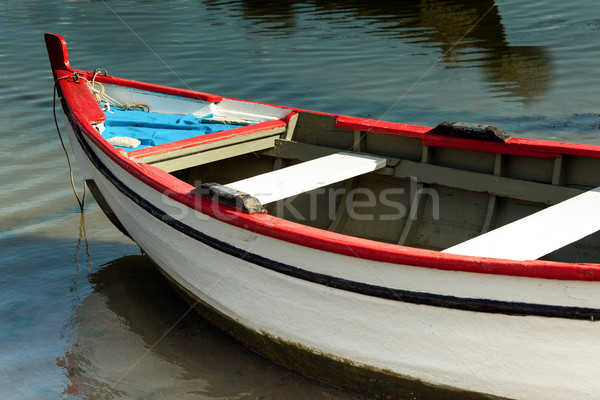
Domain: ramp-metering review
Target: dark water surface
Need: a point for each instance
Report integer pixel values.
(83, 315)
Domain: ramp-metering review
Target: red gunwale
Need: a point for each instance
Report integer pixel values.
(514, 145)
(303, 235)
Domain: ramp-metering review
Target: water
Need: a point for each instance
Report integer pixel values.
(83, 315)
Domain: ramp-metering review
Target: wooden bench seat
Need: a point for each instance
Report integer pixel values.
(540, 233)
(306, 176)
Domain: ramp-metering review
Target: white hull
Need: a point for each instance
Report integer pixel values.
(516, 356)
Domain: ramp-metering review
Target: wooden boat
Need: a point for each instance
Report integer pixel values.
(386, 258)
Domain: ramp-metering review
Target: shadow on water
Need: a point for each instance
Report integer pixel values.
(129, 343)
(467, 33)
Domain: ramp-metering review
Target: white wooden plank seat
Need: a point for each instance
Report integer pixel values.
(540, 233)
(306, 176)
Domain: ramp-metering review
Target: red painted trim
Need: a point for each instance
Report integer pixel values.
(547, 146)
(333, 242)
(490, 147)
(289, 117)
(391, 128)
(190, 94)
(212, 137)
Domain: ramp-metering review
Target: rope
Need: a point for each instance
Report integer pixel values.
(82, 200)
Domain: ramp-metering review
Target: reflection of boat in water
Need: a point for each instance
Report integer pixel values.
(379, 256)
(468, 33)
(120, 351)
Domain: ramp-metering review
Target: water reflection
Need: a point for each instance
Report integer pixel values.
(82, 242)
(270, 14)
(118, 351)
(467, 33)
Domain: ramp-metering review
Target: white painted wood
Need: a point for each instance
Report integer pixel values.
(229, 108)
(306, 176)
(538, 234)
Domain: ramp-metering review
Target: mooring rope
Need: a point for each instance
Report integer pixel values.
(82, 200)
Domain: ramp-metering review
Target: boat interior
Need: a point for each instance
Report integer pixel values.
(404, 190)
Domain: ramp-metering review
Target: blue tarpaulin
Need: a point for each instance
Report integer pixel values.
(153, 129)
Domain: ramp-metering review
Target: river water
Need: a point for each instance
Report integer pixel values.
(83, 314)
